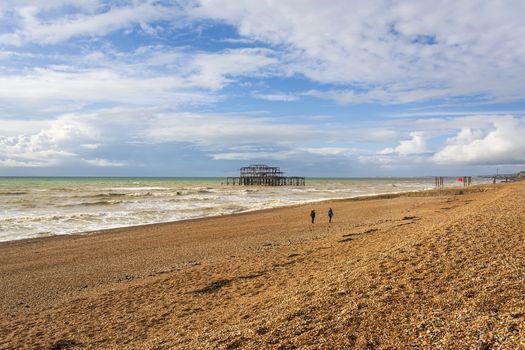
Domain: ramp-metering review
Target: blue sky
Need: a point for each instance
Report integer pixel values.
(200, 88)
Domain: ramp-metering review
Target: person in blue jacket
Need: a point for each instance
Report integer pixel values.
(330, 214)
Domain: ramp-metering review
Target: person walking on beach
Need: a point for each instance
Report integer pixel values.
(312, 215)
(330, 214)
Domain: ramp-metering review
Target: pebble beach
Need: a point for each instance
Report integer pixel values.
(434, 269)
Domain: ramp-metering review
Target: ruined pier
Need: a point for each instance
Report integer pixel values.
(264, 175)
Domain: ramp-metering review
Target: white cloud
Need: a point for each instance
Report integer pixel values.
(371, 52)
(33, 29)
(396, 162)
(30, 151)
(226, 131)
(100, 162)
(385, 94)
(59, 141)
(309, 154)
(374, 46)
(87, 95)
(329, 151)
(186, 77)
(504, 143)
(89, 136)
(230, 131)
(415, 145)
(59, 84)
(214, 70)
(274, 155)
(90, 145)
(53, 144)
(478, 141)
(276, 97)
(477, 114)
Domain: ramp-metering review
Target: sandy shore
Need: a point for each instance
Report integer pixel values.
(443, 270)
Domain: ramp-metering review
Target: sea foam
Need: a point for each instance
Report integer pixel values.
(64, 206)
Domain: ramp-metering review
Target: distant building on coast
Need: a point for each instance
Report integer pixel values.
(264, 175)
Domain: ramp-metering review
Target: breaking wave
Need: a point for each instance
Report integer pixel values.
(50, 207)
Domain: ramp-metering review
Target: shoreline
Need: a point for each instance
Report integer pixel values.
(270, 279)
(386, 195)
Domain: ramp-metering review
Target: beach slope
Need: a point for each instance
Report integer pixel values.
(439, 269)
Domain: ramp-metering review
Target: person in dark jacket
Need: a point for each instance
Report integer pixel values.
(312, 215)
(330, 214)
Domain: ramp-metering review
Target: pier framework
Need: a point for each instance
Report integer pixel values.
(264, 175)
(439, 181)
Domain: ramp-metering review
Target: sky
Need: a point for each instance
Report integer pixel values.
(320, 88)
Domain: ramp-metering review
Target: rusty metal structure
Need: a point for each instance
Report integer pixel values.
(439, 181)
(264, 175)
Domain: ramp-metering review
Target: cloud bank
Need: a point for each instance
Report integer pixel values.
(382, 84)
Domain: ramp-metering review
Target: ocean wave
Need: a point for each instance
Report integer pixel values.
(110, 195)
(27, 204)
(89, 204)
(193, 198)
(113, 195)
(146, 188)
(52, 219)
(12, 193)
(139, 194)
(100, 195)
(90, 207)
(204, 191)
(62, 189)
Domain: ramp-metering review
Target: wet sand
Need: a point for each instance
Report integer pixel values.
(429, 270)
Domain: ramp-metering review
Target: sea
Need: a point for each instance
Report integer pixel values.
(45, 206)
